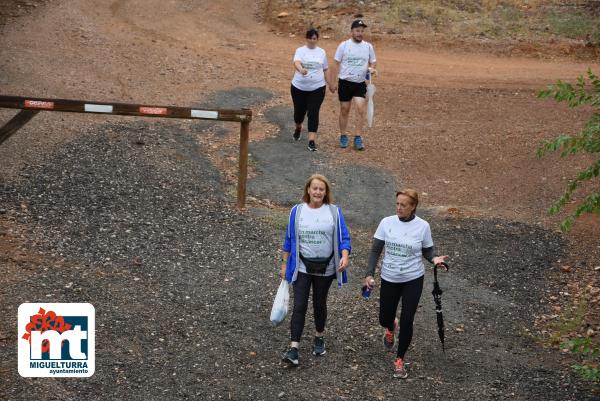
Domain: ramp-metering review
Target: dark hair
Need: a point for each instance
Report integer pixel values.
(312, 32)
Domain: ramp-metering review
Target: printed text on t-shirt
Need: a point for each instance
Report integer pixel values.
(314, 237)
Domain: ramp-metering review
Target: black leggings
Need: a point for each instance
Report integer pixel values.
(390, 295)
(320, 286)
(305, 101)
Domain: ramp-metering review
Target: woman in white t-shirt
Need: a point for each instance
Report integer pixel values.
(407, 240)
(308, 86)
(315, 252)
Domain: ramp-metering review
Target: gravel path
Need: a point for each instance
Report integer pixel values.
(236, 98)
(284, 165)
(132, 216)
(182, 287)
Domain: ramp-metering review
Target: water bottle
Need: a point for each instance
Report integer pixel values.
(366, 290)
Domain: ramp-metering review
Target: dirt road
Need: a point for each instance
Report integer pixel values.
(443, 108)
(461, 128)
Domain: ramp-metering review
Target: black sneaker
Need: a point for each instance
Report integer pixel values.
(312, 146)
(297, 133)
(319, 346)
(291, 356)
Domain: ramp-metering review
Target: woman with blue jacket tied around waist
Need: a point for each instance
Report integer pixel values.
(315, 250)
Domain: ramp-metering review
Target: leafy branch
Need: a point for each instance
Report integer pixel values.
(583, 92)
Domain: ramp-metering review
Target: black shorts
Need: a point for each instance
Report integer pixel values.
(347, 90)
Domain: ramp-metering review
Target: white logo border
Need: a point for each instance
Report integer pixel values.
(26, 310)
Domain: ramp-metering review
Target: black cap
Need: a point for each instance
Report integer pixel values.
(358, 22)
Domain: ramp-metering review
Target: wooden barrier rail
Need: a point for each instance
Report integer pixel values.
(31, 106)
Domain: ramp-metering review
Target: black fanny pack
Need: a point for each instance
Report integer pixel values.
(316, 265)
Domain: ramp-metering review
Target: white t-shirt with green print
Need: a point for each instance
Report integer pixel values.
(315, 231)
(403, 259)
(354, 59)
(315, 62)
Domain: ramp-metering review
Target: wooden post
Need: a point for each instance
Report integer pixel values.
(243, 164)
(15, 123)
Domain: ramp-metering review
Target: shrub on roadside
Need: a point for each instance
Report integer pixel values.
(584, 92)
(589, 368)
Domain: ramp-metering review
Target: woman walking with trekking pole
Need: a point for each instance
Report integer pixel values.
(407, 240)
(315, 251)
(308, 86)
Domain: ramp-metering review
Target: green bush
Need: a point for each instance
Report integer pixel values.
(590, 352)
(583, 92)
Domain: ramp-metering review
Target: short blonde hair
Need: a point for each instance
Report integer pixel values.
(412, 194)
(328, 198)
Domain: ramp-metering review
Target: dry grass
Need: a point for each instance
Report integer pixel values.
(507, 19)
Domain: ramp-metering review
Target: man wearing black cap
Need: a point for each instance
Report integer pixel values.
(353, 59)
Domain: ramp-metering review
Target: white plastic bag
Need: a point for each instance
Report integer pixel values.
(370, 104)
(280, 305)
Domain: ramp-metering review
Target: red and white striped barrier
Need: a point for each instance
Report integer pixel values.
(32, 106)
(128, 109)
